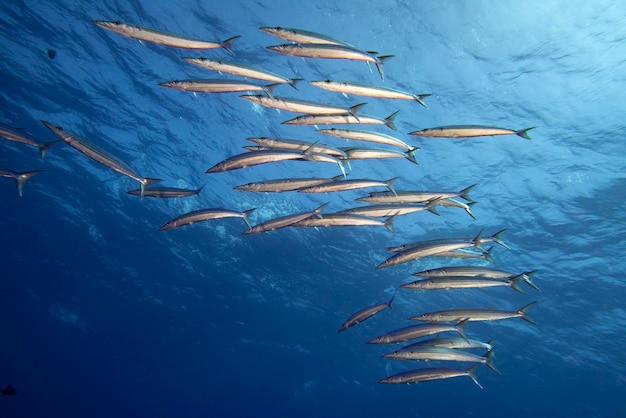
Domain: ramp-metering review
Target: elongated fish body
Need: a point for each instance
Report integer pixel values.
(352, 184)
(162, 38)
(414, 196)
(284, 221)
(443, 354)
(301, 106)
(466, 271)
(367, 136)
(240, 70)
(25, 139)
(417, 331)
(450, 342)
(165, 192)
(20, 178)
(463, 282)
(282, 185)
(469, 131)
(301, 36)
(426, 375)
(474, 314)
(368, 91)
(98, 154)
(346, 118)
(205, 215)
(294, 144)
(249, 159)
(344, 219)
(214, 86)
(465, 254)
(382, 211)
(477, 242)
(364, 314)
(377, 154)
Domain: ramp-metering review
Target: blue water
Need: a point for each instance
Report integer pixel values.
(102, 315)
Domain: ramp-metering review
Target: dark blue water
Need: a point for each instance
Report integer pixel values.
(102, 315)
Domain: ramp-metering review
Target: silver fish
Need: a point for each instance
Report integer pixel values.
(283, 185)
(465, 253)
(166, 192)
(344, 219)
(469, 131)
(425, 375)
(162, 38)
(352, 184)
(284, 221)
(249, 159)
(294, 144)
(369, 91)
(443, 354)
(476, 271)
(20, 178)
(301, 36)
(451, 342)
(377, 154)
(216, 86)
(241, 70)
(368, 137)
(301, 106)
(341, 119)
(98, 154)
(28, 140)
(414, 196)
(463, 282)
(382, 211)
(364, 314)
(204, 215)
(474, 314)
(417, 331)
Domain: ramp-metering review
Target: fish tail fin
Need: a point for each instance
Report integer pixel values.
(431, 206)
(343, 163)
(515, 281)
(147, 182)
(411, 155)
(389, 222)
(477, 240)
(245, 215)
(523, 312)
(43, 148)
(390, 303)
(496, 238)
(526, 276)
(269, 89)
(23, 178)
(524, 132)
(488, 256)
(460, 327)
(379, 64)
(389, 120)
(389, 184)
(490, 343)
(419, 98)
(354, 110)
(490, 358)
(318, 212)
(200, 189)
(471, 373)
(464, 194)
(228, 43)
(294, 81)
(468, 209)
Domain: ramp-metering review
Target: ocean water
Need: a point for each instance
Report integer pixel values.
(103, 315)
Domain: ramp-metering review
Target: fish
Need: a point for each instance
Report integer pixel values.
(162, 38)
(377, 154)
(359, 89)
(301, 36)
(332, 51)
(196, 216)
(294, 144)
(476, 271)
(8, 390)
(344, 219)
(417, 331)
(284, 221)
(343, 185)
(404, 196)
(382, 211)
(346, 118)
(474, 314)
(241, 70)
(302, 106)
(469, 131)
(252, 158)
(283, 185)
(98, 154)
(364, 314)
(20, 178)
(495, 238)
(11, 135)
(368, 137)
(208, 85)
(166, 192)
(443, 354)
(464, 253)
(463, 282)
(425, 375)
(451, 342)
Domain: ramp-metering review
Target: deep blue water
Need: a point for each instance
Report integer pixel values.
(102, 315)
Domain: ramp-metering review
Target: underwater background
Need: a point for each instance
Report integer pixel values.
(103, 315)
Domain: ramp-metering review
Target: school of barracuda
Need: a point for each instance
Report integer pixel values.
(384, 206)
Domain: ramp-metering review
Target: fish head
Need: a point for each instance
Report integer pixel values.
(57, 130)
(113, 24)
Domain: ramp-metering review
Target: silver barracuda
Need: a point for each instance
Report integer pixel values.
(166, 192)
(342, 119)
(404, 196)
(301, 106)
(284, 221)
(294, 144)
(241, 70)
(344, 219)
(426, 375)
(98, 154)
(368, 137)
(301, 36)
(463, 282)
(20, 178)
(469, 131)
(205, 215)
(283, 185)
(364, 314)
(382, 211)
(252, 158)
(476, 271)
(443, 354)
(474, 314)
(209, 85)
(417, 331)
(368, 91)
(451, 342)
(465, 254)
(332, 51)
(162, 38)
(378, 154)
(479, 239)
(11, 135)
(351, 184)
